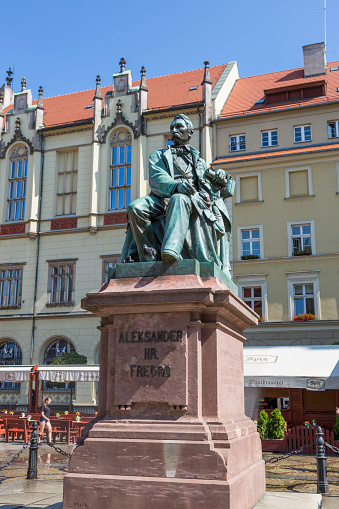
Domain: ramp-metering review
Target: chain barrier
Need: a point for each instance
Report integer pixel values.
(60, 451)
(16, 456)
(298, 451)
(334, 449)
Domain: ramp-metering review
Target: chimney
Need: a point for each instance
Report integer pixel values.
(314, 59)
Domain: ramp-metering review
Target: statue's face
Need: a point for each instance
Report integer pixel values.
(179, 132)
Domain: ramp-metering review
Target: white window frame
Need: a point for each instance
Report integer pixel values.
(17, 183)
(303, 278)
(336, 128)
(51, 279)
(237, 186)
(289, 235)
(106, 259)
(11, 286)
(302, 127)
(237, 137)
(117, 187)
(255, 280)
(259, 227)
(309, 178)
(62, 192)
(269, 138)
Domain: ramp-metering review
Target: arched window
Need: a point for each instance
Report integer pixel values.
(10, 355)
(120, 170)
(18, 161)
(56, 349)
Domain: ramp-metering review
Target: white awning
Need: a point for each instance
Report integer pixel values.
(314, 368)
(69, 373)
(15, 373)
(56, 373)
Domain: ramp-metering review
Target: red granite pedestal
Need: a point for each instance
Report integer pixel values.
(173, 433)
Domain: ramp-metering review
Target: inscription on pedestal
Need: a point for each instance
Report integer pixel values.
(150, 361)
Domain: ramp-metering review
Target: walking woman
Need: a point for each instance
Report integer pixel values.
(45, 420)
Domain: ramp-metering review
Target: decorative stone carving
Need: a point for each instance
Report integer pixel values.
(116, 218)
(120, 119)
(12, 229)
(18, 136)
(64, 224)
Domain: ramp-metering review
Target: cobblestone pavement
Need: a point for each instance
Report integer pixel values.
(293, 474)
(46, 492)
(299, 474)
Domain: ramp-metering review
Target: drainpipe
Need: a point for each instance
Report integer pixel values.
(38, 245)
(199, 128)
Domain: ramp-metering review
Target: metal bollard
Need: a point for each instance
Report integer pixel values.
(322, 484)
(32, 472)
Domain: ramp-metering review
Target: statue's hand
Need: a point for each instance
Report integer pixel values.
(219, 177)
(185, 188)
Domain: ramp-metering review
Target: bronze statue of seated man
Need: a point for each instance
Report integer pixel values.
(184, 215)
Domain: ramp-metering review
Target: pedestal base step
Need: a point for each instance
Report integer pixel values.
(90, 491)
(285, 500)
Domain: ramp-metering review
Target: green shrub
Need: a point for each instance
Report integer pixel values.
(336, 429)
(276, 426)
(262, 424)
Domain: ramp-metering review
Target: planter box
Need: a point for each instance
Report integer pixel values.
(274, 445)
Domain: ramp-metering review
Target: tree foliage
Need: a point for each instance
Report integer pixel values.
(336, 429)
(276, 425)
(262, 424)
(70, 358)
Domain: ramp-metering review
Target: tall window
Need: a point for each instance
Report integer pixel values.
(10, 286)
(253, 298)
(67, 182)
(10, 355)
(250, 243)
(120, 170)
(301, 239)
(17, 183)
(333, 129)
(303, 295)
(237, 142)
(61, 283)
(269, 138)
(302, 133)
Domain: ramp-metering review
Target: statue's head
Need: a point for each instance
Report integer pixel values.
(181, 129)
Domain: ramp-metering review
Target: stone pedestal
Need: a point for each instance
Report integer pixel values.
(173, 433)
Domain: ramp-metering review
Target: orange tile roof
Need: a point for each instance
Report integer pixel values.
(277, 153)
(163, 92)
(247, 91)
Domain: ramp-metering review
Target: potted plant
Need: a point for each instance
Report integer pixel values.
(29, 417)
(336, 428)
(250, 257)
(66, 412)
(261, 319)
(23, 414)
(262, 424)
(276, 425)
(302, 252)
(77, 416)
(304, 317)
(57, 414)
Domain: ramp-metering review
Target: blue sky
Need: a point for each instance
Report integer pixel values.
(63, 45)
